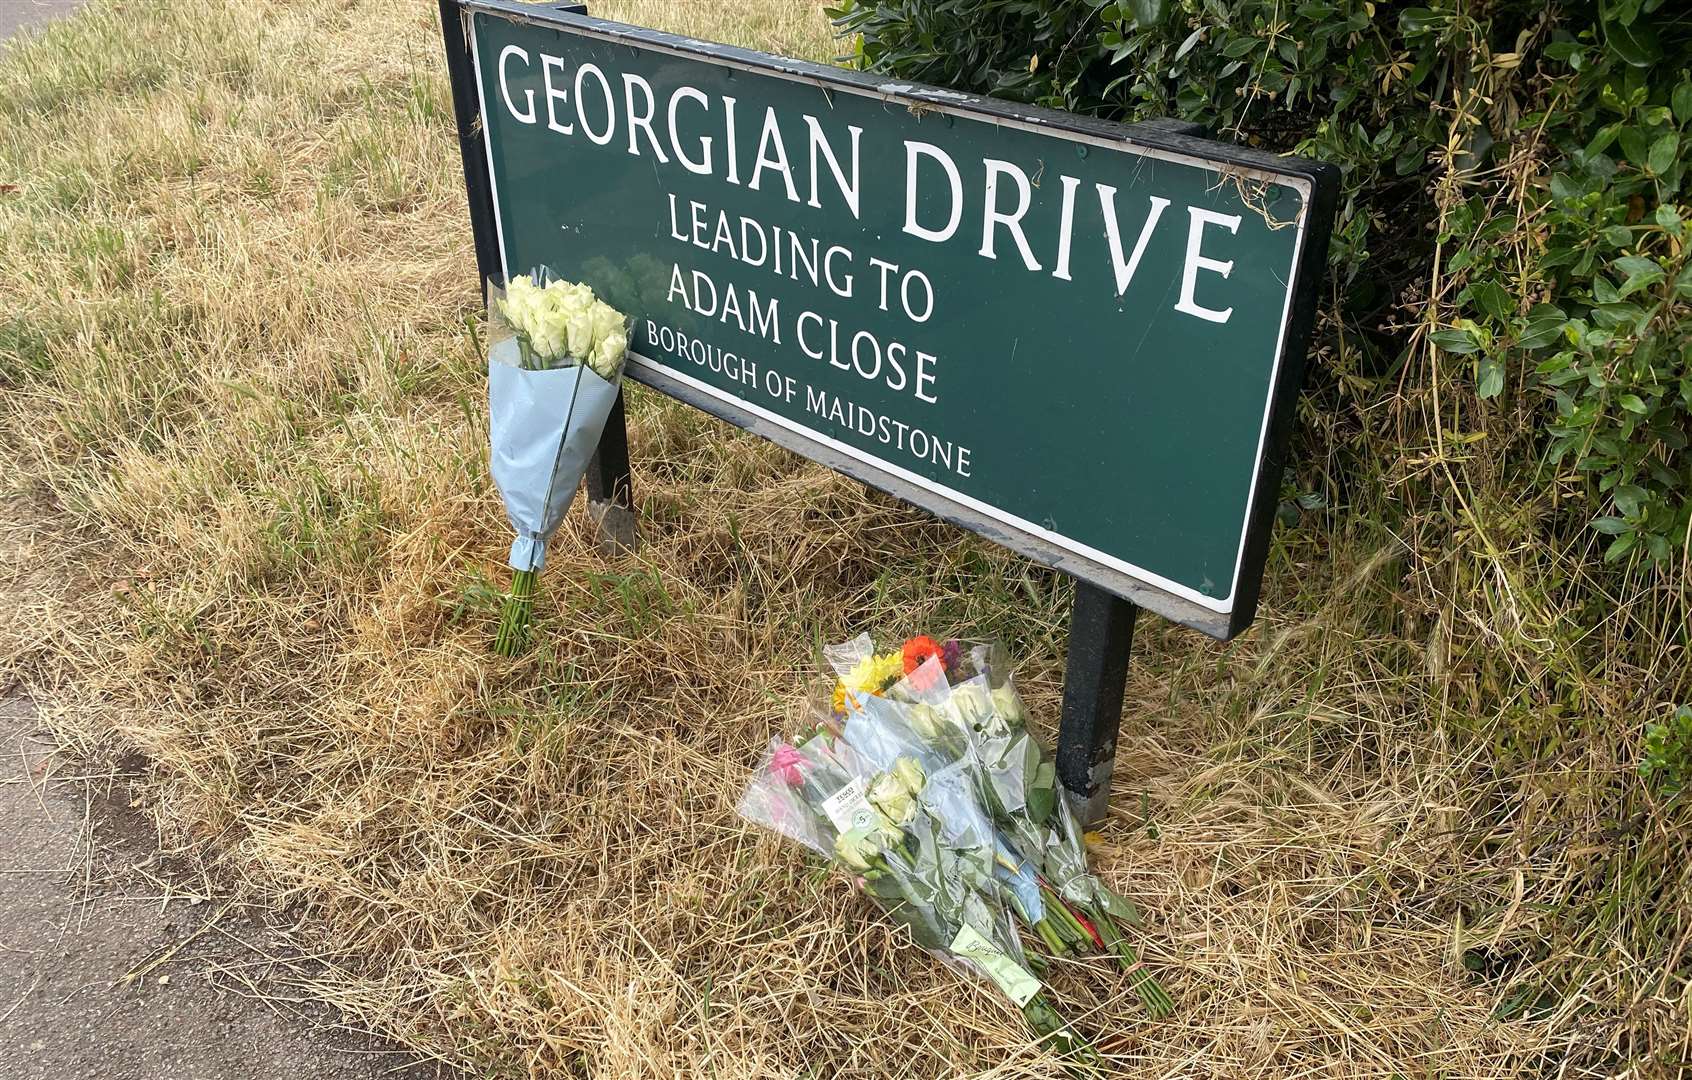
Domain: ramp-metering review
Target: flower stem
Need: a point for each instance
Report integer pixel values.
(513, 635)
(1073, 929)
(1045, 1022)
(1151, 993)
(1049, 935)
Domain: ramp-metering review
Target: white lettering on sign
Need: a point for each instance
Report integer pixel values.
(702, 135)
(642, 120)
(505, 55)
(772, 154)
(702, 167)
(1125, 270)
(553, 94)
(1196, 262)
(914, 150)
(820, 145)
(1066, 228)
(1012, 221)
(600, 138)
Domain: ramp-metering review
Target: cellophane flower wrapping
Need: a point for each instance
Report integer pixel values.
(920, 776)
(962, 705)
(555, 366)
(929, 871)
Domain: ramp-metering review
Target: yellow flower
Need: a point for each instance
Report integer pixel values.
(872, 675)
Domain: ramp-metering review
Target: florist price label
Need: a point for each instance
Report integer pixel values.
(1007, 974)
(847, 808)
(1073, 339)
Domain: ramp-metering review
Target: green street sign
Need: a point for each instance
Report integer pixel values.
(1076, 338)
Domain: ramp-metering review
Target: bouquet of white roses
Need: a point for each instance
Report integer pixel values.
(924, 857)
(922, 778)
(555, 367)
(559, 324)
(958, 702)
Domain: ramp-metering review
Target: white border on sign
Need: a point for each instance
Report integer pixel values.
(1222, 606)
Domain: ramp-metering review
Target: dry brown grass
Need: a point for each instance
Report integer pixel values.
(251, 534)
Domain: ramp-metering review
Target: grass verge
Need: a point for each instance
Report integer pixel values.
(250, 533)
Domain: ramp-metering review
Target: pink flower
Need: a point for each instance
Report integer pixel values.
(785, 763)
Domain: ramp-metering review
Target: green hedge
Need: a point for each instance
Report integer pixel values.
(1514, 196)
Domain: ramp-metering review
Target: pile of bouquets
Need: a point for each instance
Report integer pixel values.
(922, 779)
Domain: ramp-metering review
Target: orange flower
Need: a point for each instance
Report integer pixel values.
(918, 649)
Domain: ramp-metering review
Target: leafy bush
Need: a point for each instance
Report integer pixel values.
(1668, 752)
(1514, 190)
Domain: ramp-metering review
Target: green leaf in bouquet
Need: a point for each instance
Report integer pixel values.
(1120, 908)
(1042, 793)
(995, 803)
(881, 886)
(1029, 754)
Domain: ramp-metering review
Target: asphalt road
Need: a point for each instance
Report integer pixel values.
(16, 14)
(118, 963)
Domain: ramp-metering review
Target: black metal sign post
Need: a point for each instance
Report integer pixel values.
(1095, 674)
(610, 491)
(1106, 604)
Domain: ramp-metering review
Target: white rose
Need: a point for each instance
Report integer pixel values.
(548, 328)
(909, 771)
(856, 848)
(608, 353)
(549, 345)
(578, 327)
(607, 320)
(888, 794)
(519, 300)
(973, 706)
(547, 305)
(525, 309)
(1008, 705)
(571, 297)
(927, 721)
